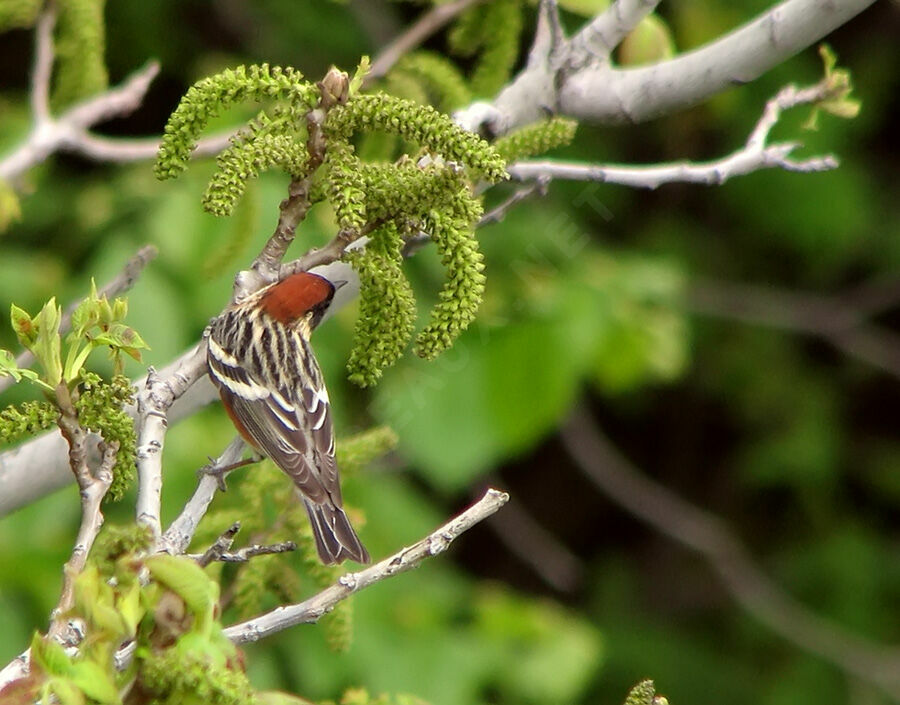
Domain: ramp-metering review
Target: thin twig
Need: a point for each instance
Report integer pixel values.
(705, 533)
(93, 488)
(219, 546)
(498, 213)
(66, 130)
(834, 319)
(429, 23)
(124, 150)
(755, 155)
(242, 555)
(181, 531)
(43, 66)
(314, 608)
(119, 284)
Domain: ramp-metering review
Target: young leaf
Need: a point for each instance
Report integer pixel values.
(47, 346)
(24, 326)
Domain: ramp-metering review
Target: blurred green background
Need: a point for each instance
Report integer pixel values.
(593, 296)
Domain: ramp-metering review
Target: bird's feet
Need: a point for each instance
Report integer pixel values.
(220, 472)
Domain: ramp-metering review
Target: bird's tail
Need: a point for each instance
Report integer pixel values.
(336, 541)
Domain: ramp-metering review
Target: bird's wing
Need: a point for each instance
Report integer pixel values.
(289, 420)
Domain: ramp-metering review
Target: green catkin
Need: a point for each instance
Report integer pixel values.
(244, 161)
(209, 97)
(80, 46)
(26, 420)
(387, 307)
(500, 48)
(535, 139)
(440, 78)
(421, 124)
(19, 14)
(463, 291)
(100, 408)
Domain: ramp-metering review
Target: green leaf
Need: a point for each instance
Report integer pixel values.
(24, 326)
(47, 345)
(187, 580)
(50, 656)
(648, 43)
(95, 682)
(9, 368)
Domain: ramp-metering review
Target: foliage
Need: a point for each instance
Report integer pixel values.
(99, 405)
(432, 195)
(80, 47)
(790, 441)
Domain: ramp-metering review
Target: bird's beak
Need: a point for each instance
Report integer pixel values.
(339, 283)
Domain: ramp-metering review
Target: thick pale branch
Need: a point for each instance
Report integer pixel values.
(705, 533)
(601, 93)
(153, 403)
(404, 560)
(596, 40)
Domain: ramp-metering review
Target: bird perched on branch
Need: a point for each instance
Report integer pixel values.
(260, 359)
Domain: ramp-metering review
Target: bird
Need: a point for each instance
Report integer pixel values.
(260, 359)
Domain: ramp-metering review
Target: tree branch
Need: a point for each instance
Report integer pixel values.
(595, 42)
(600, 93)
(830, 318)
(43, 66)
(428, 24)
(93, 489)
(314, 608)
(706, 534)
(153, 402)
(181, 531)
(66, 131)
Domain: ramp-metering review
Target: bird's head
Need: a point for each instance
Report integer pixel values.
(300, 297)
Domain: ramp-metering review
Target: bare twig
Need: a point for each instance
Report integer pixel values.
(429, 23)
(119, 150)
(93, 488)
(66, 131)
(220, 546)
(153, 402)
(314, 608)
(498, 213)
(121, 283)
(834, 319)
(43, 66)
(181, 531)
(755, 155)
(705, 533)
(217, 553)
